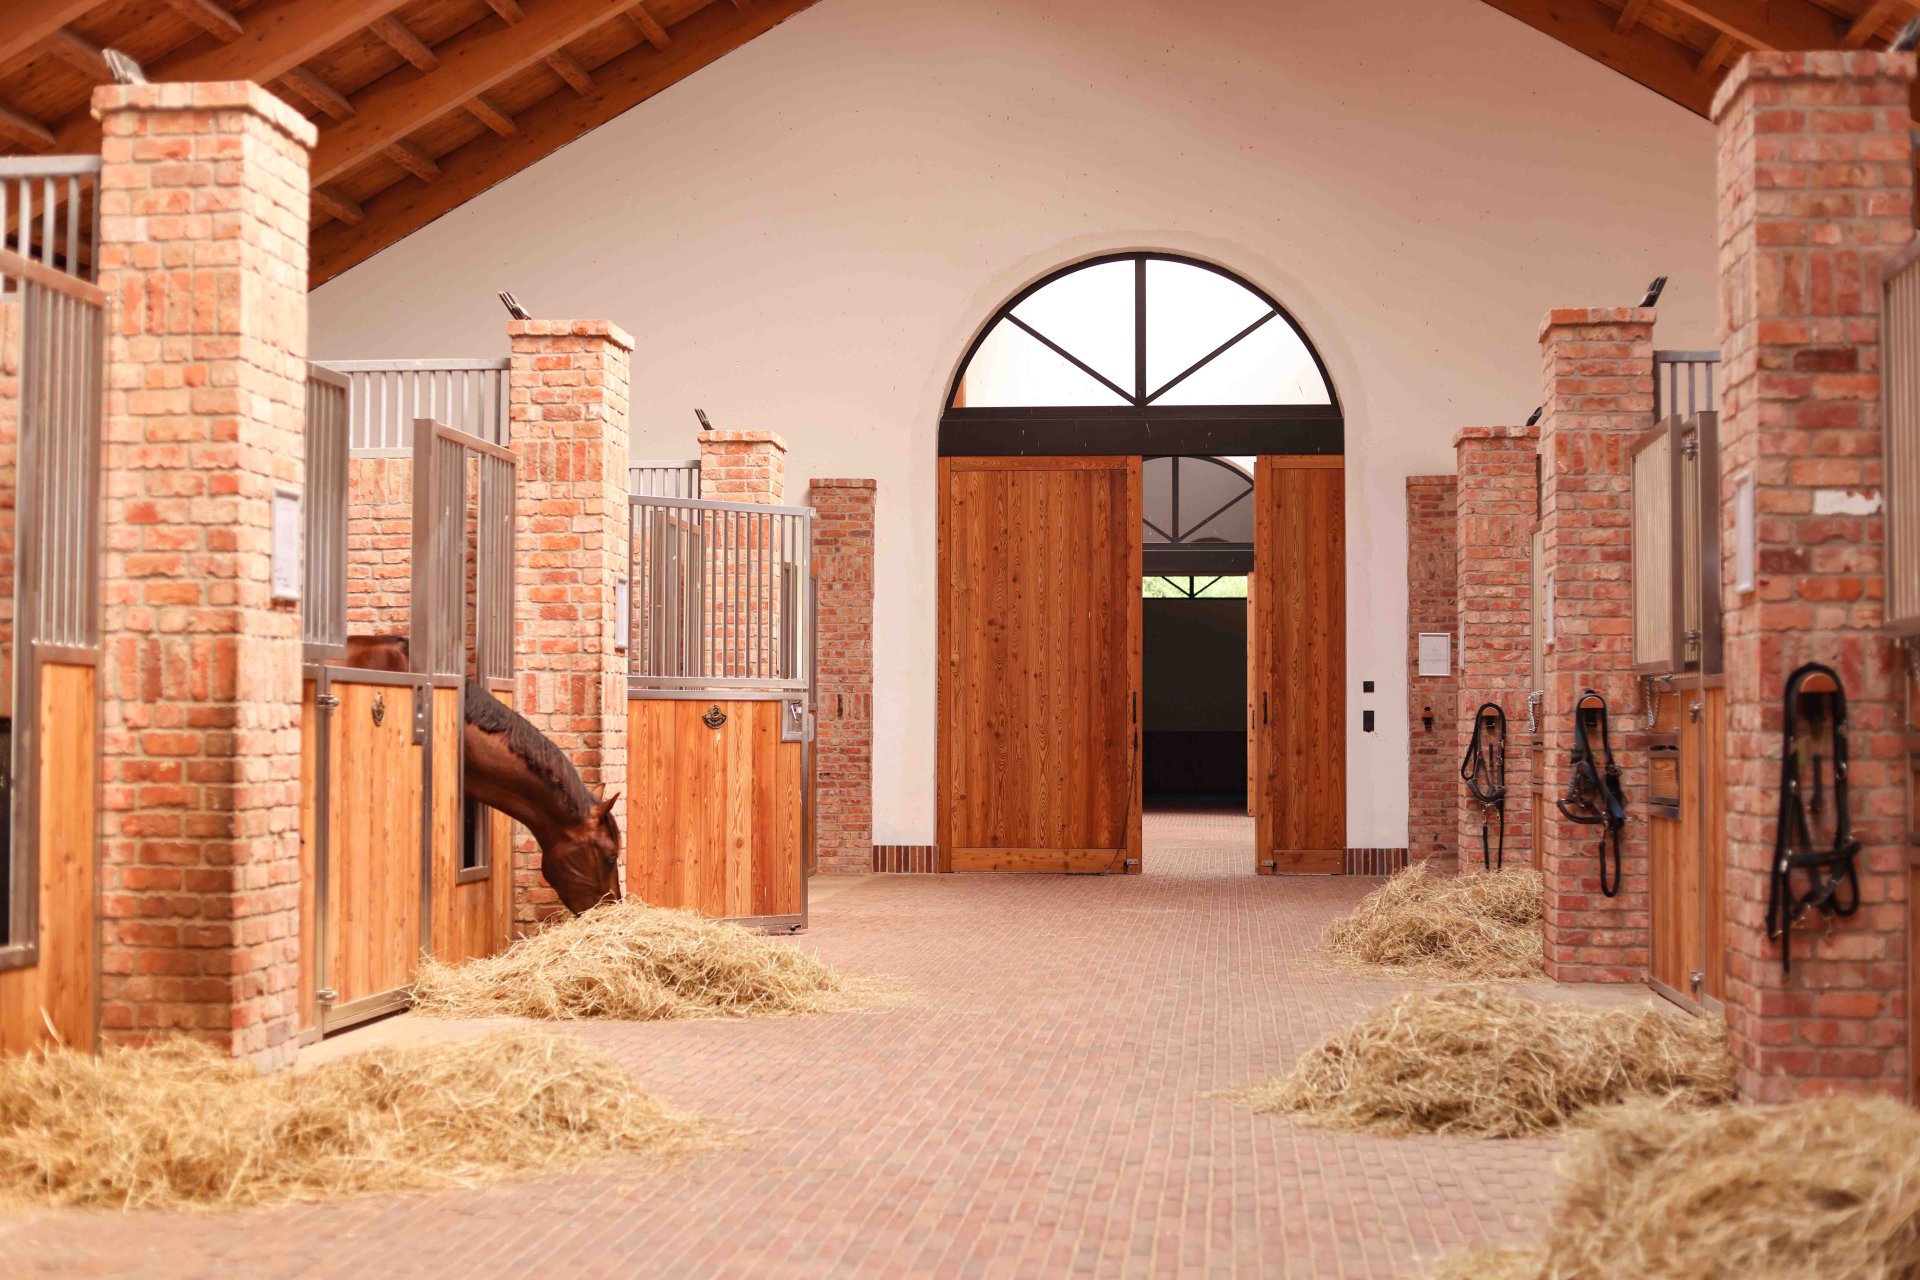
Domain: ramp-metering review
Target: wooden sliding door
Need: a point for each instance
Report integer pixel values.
(1300, 665)
(1039, 664)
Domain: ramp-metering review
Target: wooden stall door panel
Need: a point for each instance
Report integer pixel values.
(1713, 842)
(1675, 901)
(1040, 675)
(1300, 560)
(373, 889)
(57, 992)
(309, 852)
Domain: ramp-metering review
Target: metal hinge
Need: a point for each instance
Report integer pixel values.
(327, 996)
(1693, 711)
(1693, 446)
(1274, 865)
(327, 700)
(1695, 978)
(1131, 862)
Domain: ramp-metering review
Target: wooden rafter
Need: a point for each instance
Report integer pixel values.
(414, 161)
(509, 10)
(488, 113)
(1766, 24)
(404, 42)
(619, 85)
(209, 17)
(1716, 56)
(25, 130)
(1662, 65)
(1629, 15)
(568, 68)
(317, 91)
(336, 205)
(1875, 16)
(31, 21)
(80, 53)
(649, 26)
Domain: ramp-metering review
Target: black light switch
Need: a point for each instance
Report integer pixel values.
(1366, 722)
(1366, 686)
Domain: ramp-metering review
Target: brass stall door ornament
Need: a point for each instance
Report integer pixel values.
(715, 717)
(379, 709)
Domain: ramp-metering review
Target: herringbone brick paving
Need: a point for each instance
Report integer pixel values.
(1039, 1109)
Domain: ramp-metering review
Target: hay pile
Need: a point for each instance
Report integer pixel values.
(1487, 1063)
(1827, 1189)
(182, 1125)
(633, 962)
(1480, 925)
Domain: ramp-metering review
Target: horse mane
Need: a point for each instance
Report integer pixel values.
(545, 761)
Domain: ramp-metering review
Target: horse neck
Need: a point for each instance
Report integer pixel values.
(515, 790)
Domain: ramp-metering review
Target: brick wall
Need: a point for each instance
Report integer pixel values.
(743, 466)
(1816, 190)
(1497, 496)
(1598, 375)
(1432, 778)
(843, 748)
(568, 412)
(379, 546)
(203, 229)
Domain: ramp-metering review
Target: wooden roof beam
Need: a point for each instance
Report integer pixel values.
(1767, 24)
(619, 85)
(80, 53)
(1662, 65)
(25, 130)
(488, 113)
(1723, 48)
(1629, 15)
(317, 91)
(568, 68)
(509, 10)
(339, 206)
(404, 42)
(210, 18)
(414, 161)
(31, 21)
(1871, 20)
(649, 26)
(471, 63)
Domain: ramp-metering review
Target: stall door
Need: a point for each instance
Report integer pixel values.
(1300, 668)
(1040, 664)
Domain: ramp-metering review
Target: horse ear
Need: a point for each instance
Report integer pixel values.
(603, 810)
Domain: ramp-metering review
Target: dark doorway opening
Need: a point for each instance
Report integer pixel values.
(1194, 682)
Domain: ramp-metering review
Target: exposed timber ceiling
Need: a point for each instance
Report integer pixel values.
(421, 104)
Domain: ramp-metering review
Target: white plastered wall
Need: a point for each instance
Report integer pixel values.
(806, 235)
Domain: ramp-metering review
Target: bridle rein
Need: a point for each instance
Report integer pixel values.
(1829, 871)
(1484, 770)
(1594, 794)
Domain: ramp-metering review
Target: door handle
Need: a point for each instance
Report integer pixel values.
(1263, 706)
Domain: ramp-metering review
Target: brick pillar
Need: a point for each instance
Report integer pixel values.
(1816, 191)
(743, 466)
(567, 416)
(1432, 763)
(203, 251)
(1598, 368)
(843, 745)
(1496, 513)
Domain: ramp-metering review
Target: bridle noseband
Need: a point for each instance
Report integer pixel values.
(1594, 794)
(1484, 770)
(1828, 871)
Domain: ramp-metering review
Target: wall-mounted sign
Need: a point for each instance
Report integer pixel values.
(1436, 653)
(1743, 539)
(286, 544)
(622, 612)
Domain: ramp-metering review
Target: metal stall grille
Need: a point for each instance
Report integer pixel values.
(323, 596)
(1900, 371)
(1683, 383)
(48, 213)
(388, 396)
(56, 535)
(719, 589)
(454, 551)
(664, 479)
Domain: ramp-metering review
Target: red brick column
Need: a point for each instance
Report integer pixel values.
(743, 466)
(1598, 368)
(1816, 190)
(567, 416)
(1432, 779)
(843, 743)
(203, 251)
(1496, 468)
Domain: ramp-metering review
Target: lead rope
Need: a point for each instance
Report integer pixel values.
(1830, 870)
(1484, 770)
(1594, 797)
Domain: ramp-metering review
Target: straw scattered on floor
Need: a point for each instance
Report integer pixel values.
(1482, 1263)
(182, 1125)
(638, 963)
(1478, 925)
(1487, 1063)
(1826, 1189)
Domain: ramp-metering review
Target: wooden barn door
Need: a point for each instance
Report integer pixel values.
(1300, 666)
(1040, 664)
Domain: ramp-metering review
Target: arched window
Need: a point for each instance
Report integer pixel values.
(1143, 353)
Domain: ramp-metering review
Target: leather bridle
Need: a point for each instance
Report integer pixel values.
(1594, 794)
(1833, 880)
(1484, 770)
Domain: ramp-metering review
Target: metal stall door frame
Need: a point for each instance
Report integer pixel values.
(721, 608)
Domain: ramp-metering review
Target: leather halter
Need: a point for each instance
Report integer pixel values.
(1484, 770)
(1828, 871)
(1594, 794)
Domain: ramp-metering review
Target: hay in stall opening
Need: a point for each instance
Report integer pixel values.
(1827, 1188)
(181, 1125)
(629, 961)
(1487, 1063)
(1476, 925)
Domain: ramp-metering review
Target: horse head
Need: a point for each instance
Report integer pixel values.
(582, 861)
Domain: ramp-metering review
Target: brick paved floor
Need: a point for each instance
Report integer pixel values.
(1041, 1109)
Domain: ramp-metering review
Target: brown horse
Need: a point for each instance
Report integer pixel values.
(511, 766)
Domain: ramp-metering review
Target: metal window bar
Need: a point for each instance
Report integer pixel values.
(440, 503)
(719, 589)
(1900, 376)
(664, 479)
(49, 213)
(1683, 383)
(323, 593)
(386, 398)
(56, 536)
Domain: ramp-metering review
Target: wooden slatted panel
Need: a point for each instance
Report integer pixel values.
(719, 827)
(309, 854)
(473, 919)
(58, 990)
(1713, 839)
(1039, 664)
(373, 883)
(1300, 558)
(1689, 854)
(1654, 554)
(1537, 630)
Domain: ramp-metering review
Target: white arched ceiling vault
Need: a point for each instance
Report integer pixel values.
(808, 234)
